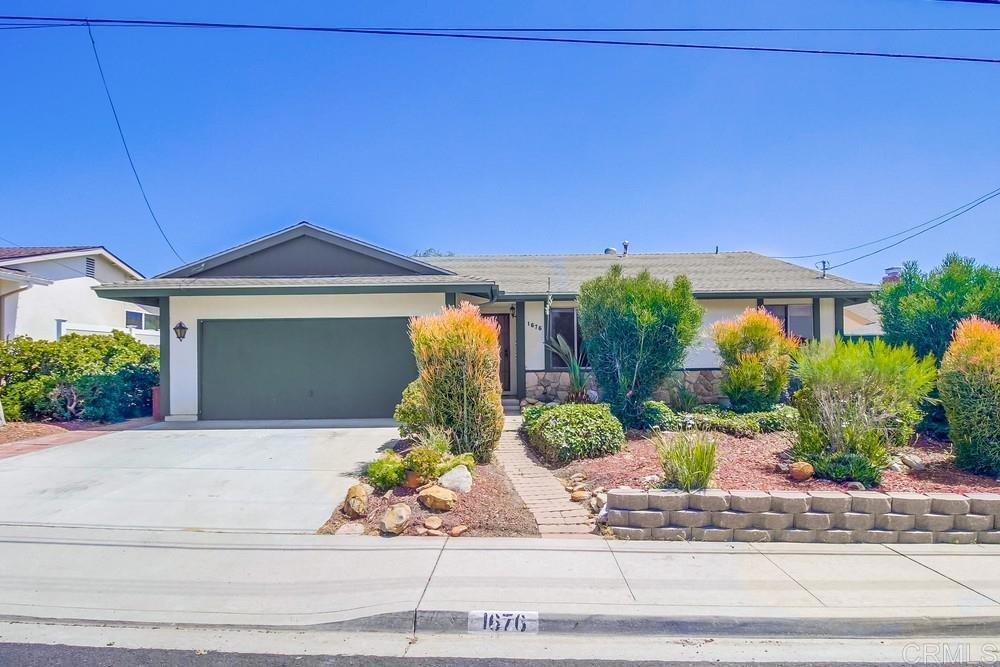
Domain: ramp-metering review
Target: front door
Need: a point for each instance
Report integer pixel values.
(503, 322)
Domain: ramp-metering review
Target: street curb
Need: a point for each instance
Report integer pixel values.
(440, 621)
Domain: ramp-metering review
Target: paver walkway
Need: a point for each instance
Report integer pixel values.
(545, 496)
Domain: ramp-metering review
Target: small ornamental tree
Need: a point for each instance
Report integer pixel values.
(458, 359)
(969, 384)
(756, 356)
(636, 330)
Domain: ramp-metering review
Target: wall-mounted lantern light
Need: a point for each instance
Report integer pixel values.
(180, 330)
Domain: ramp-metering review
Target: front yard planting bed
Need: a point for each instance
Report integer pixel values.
(16, 431)
(491, 509)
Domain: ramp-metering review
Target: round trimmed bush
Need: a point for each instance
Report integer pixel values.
(576, 431)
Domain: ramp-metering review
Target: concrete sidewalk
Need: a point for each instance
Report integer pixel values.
(430, 584)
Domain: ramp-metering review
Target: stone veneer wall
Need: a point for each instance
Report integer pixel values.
(830, 517)
(546, 386)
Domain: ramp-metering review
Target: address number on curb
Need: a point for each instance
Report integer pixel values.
(503, 621)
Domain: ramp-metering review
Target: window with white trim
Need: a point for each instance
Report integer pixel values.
(138, 320)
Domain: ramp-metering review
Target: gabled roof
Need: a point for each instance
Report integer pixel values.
(726, 274)
(21, 277)
(13, 256)
(300, 230)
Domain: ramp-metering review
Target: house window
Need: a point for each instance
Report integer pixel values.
(89, 267)
(563, 322)
(797, 319)
(133, 320)
(151, 322)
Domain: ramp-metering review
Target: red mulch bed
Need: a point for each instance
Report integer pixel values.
(14, 431)
(751, 463)
(491, 509)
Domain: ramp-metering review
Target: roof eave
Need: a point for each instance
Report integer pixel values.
(133, 294)
(862, 294)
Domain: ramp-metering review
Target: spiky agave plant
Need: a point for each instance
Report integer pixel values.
(574, 366)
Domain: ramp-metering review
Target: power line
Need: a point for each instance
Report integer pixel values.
(511, 38)
(128, 153)
(922, 231)
(973, 203)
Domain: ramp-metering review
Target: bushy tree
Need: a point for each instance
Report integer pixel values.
(636, 330)
(970, 390)
(923, 309)
(756, 356)
(458, 358)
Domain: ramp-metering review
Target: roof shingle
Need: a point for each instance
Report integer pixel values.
(21, 252)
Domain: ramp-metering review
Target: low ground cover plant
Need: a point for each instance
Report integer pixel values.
(574, 431)
(756, 356)
(386, 472)
(458, 388)
(636, 330)
(714, 418)
(687, 457)
(101, 378)
(857, 398)
(970, 390)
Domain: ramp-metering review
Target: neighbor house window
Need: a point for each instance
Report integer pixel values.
(137, 320)
(563, 322)
(797, 319)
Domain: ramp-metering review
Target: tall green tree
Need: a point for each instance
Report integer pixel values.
(636, 330)
(922, 309)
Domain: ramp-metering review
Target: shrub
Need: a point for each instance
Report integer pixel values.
(713, 418)
(970, 390)
(424, 461)
(847, 467)
(575, 431)
(574, 367)
(467, 460)
(458, 358)
(436, 438)
(756, 355)
(532, 413)
(688, 459)
(636, 331)
(655, 414)
(411, 411)
(386, 472)
(858, 397)
(124, 394)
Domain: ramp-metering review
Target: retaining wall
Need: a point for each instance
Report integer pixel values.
(830, 517)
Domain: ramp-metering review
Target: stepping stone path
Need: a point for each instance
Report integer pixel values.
(544, 495)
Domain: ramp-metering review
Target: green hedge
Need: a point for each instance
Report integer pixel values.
(574, 431)
(714, 418)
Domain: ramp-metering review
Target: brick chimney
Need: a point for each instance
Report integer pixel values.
(892, 274)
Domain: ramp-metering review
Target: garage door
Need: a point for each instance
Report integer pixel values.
(344, 368)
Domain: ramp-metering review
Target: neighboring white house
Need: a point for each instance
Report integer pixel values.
(46, 292)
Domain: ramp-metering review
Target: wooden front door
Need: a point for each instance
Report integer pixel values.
(503, 322)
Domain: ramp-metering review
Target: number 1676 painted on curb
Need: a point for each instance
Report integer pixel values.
(503, 621)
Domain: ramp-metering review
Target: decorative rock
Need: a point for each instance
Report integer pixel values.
(437, 533)
(356, 502)
(579, 496)
(351, 529)
(800, 471)
(457, 479)
(577, 477)
(458, 530)
(896, 466)
(413, 480)
(854, 486)
(782, 467)
(601, 499)
(913, 462)
(438, 498)
(420, 530)
(593, 396)
(576, 487)
(396, 518)
(433, 522)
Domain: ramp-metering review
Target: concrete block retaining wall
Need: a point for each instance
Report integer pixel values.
(830, 517)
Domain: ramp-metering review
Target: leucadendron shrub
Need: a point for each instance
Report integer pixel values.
(756, 356)
(636, 330)
(969, 384)
(575, 431)
(858, 398)
(458, 359)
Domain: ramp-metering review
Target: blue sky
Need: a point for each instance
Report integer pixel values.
(484, 148)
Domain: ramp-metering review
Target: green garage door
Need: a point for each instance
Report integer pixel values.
(343, 368)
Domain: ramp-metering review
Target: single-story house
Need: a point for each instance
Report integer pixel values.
(308, 323)
(45, 292)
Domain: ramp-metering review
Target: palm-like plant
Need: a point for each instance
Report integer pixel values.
(574, 366)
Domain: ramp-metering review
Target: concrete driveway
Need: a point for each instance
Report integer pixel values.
(259, 476)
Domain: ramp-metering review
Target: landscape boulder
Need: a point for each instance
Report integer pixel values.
(457, 479)
(438, 498)
(356, 502)
(800, 471)
(395, 519)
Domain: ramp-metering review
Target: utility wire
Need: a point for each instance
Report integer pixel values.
(128, 153)
(922, 231)
(975, 202)
(512, 38)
